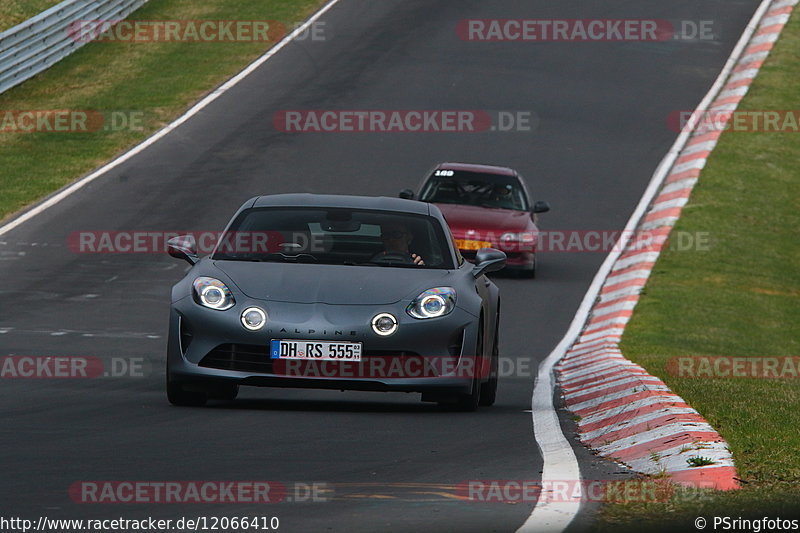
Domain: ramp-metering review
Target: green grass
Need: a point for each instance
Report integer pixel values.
(741, 297)
(157, 81)
(13, 12)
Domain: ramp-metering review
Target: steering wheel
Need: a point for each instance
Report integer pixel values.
(393, 257)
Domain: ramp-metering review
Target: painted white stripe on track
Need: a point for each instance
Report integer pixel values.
(611, 332)
(687, 183)
(648, 257)
(618, 396)
(655, 434)
(616, 412)
(694, 164)
(628, 276)
(636, 420)
(660, 223)
(674, 459)
(738, 91)
(199, 106)
(651, 380)
(706, 146)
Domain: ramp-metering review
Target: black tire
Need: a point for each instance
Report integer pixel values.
(529, 274)
(177, 396)
(226, 392)
(489, 389)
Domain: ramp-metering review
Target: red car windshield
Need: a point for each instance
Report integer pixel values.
(473, 188)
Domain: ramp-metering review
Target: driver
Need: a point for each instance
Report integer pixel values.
(396, 238)
(501, 196)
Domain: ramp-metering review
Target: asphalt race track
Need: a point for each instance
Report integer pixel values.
(393, 462)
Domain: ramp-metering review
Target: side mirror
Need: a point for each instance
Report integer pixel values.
(488, 260)
(183, 247)
(407, 194)
(541, 207)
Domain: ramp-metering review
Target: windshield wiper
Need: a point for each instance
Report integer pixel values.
(275, 257)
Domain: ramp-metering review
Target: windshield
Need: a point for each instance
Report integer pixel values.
(336, 237)
(474, 188)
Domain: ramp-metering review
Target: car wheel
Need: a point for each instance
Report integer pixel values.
(531, 273)
(227, 392)
(489, 389)
(178, 396)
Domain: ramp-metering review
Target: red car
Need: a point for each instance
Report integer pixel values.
(486, 207)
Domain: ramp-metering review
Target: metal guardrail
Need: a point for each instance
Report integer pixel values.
(33, 46)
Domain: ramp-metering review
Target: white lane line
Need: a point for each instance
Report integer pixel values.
(559, 459)
(69, 190)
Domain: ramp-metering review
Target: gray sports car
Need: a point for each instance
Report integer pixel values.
(335, 292)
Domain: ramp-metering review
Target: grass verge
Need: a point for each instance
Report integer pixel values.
(13, 12)
(740, 297)
(143, 85)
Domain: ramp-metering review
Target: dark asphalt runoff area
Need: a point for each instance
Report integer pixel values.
(391, 462)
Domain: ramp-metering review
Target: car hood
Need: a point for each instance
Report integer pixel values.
(330, 284)
(463, 218)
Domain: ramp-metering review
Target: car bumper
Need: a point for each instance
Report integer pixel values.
(207, 347)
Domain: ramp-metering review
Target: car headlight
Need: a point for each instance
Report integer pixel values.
(526, 237)
(254, 318)
(433, 303)
(212, 293)
(384, 324)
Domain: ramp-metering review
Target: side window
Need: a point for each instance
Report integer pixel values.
(459, 257)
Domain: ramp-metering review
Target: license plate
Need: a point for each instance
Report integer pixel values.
(315, 350)
(472, 245)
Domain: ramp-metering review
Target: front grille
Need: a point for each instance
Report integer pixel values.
(239, 357)
(256, 358)
(388, 353)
